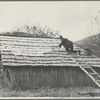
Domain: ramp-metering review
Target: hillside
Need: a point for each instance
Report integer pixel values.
(91, 43)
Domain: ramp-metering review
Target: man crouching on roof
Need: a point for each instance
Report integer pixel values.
(68, 45)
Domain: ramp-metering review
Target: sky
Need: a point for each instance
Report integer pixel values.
(71, 18)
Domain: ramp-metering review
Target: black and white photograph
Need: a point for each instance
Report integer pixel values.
(50, 49)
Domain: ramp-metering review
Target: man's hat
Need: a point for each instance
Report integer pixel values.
(60, 36)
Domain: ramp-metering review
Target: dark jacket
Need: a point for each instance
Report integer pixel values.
(68, 45)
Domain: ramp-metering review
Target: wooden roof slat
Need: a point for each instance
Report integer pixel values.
(95, 65)
(26, 64)
(37, 62)
(50, 55)
(38, 58)
(93, 62)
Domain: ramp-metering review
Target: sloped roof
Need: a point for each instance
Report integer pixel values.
(23, 51)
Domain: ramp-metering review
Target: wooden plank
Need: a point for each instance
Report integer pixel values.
(37, 57)
(29, 42)
(94, 73)
(93, 63)
(90, 59)
(30, 64)
(39, 62)
(40, 59)
(87, 57)
(26, 38)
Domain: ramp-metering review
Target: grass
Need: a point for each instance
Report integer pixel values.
(52, 92)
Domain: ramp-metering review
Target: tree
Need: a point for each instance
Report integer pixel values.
(93, 41)
(34, 31)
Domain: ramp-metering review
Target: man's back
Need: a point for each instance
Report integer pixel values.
(66, 43)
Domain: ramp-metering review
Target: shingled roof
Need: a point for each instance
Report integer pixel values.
(23, 51)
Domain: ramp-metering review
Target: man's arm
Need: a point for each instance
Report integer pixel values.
(60, 44)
